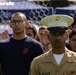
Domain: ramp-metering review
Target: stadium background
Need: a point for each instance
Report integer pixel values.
(35, 10)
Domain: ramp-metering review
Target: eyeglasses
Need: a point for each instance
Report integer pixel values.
(18, 21)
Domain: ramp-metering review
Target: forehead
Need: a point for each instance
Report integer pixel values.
(20, 17)
(42, 30)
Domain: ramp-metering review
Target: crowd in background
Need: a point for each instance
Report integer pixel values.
(43, 43)
(42, 35)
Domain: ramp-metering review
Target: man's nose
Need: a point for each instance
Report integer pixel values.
(58, 36)
(16, 23)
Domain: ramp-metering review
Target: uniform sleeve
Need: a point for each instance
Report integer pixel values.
(34, 70)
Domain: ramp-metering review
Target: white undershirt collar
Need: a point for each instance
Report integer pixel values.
(58, 57)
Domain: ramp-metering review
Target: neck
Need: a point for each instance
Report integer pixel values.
(19, 36)
(58, 51)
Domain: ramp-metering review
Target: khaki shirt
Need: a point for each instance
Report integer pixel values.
(45, 64)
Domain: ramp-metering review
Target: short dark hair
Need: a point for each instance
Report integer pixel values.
(42, 27)
(72, 33)
(33, 28)
(19, 13)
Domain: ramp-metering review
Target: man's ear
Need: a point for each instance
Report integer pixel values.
(10, 24)
(26, 23)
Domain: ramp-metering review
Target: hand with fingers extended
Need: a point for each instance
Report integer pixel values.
(4, 35)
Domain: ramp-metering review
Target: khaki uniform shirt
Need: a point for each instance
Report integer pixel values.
(45, 64)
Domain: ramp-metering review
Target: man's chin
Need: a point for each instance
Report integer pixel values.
(57, 45)
(18, 32)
